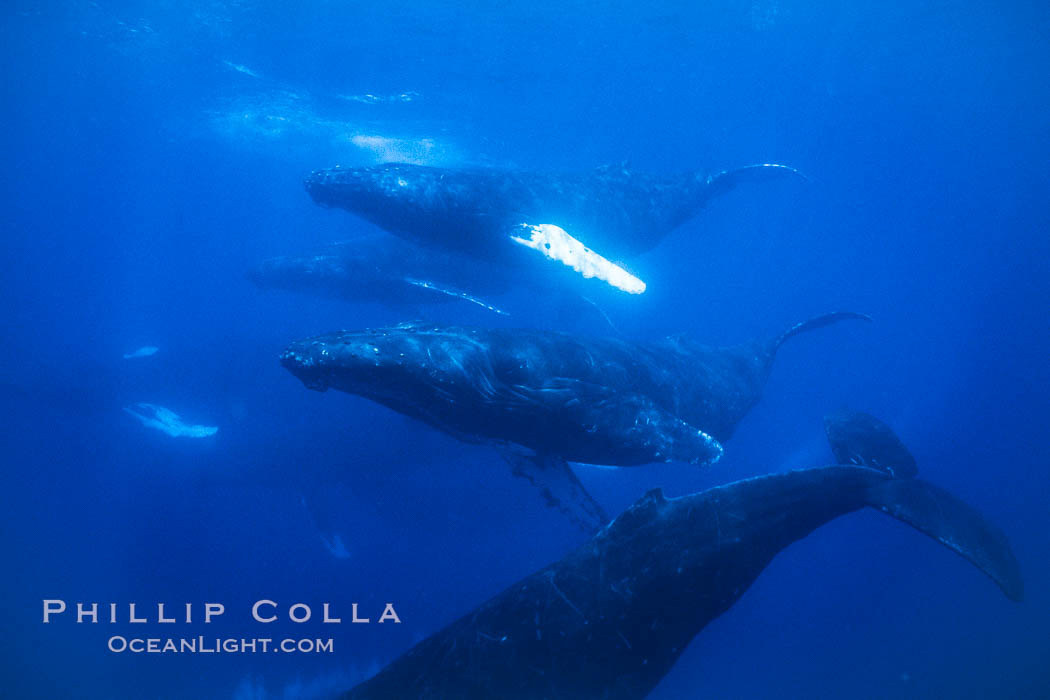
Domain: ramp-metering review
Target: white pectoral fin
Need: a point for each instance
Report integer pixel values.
(167, 421)
(554, 243)
(454, 293)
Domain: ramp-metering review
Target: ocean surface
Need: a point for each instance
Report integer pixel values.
(154, 152)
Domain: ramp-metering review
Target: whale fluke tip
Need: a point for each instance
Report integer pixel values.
(819, 322)
(859, 439)
(722, 182)
(955, 524)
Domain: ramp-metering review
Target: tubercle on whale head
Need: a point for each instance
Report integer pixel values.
(369, 186)
(404, 365)
(334, 187)
(350, 361)
(404, 199)
(306, 363)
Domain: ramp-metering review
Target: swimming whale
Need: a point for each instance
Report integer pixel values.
(386, 270)
(553, 396)
(610, 619)
(586, 221)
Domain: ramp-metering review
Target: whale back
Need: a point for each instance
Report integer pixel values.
(611, 618)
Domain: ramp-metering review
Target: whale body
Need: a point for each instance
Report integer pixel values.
(383, 269)
(609, 620)
(587, 221)
(561, 397)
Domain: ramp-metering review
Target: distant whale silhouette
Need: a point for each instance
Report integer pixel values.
(610, 619)
(501, 215)
(167, 421)
(565, 398)
(383, 269)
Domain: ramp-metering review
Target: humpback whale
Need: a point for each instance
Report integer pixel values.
(610, 619)
(387, 270)
(560, 397)
(383, 269)
(502, 215)
(144, 351)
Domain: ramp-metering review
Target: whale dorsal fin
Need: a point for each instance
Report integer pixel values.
(655, 495)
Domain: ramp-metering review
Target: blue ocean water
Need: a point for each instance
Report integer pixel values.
(155, 151)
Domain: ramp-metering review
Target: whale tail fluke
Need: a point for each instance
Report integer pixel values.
(859, 439)
(814, 323)
(862, 439)
(958, 526)
(720, 183)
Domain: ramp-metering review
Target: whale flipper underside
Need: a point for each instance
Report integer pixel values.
(560, 487)
(556, 244)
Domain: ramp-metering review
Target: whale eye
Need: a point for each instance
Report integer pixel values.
(401, 182)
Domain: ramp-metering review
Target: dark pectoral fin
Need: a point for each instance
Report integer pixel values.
(655, 435)
(560, 488)
(454, 293)
(629, 429)
(554, 243)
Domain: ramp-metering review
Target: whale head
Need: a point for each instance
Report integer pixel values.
(402, 198)
(407, 367)
(362, 190)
